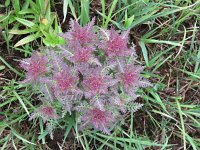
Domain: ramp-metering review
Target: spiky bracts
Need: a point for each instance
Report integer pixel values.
(93, 74)
(35, 66)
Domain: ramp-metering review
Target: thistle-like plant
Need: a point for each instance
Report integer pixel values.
(35, 66)
(98, 88)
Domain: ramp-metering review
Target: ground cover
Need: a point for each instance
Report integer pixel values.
(167, 39)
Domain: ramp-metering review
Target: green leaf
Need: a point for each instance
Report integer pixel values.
(47, 10)
(43, 134)
(10, 67)
(41, 6)
(26, 5)
(35, 8)
(16, 6)
(20, 137)
(26, 31)
(21, 102)
(26, 11)
(128, 21)
(28, 39)
(4, 17)
(103, 6)
(7, 2)
(144, 52)
(25, 22)
(154, 15)
(174, 43)
(108, 19)
(84, 17)
(2, 67)
(57, 28)
(72, 9)
(53, 40)
(65, 6)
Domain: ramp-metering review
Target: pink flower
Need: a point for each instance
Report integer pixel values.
(116, 45)
(82, 55)
(101, 120)
(65, 88)
(35, 66)
(46, 112)
(96, 83)
(80, 36)
(131, 79)
(64, 82)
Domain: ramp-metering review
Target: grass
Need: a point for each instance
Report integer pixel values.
(166, 34)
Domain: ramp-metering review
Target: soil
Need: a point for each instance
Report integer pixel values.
(58, 136)
(2, 10)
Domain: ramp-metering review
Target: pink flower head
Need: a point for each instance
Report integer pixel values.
(96, 83)
(131, 79)
(101, 120)
(46, 112)
(82, 55)
(116, 45)
(80, 36)
(35, 66)
(64, 81)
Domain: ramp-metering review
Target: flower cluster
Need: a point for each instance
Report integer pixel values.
(93, 74)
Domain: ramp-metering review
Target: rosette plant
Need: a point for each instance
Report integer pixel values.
(93, 75)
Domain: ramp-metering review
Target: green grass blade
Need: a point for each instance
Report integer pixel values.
(65, 6)
(84, 17)
(20, 137)
(21, 102)
(144, 52)
(182, 123)
(28, 39)
(25, 22)
(110, 13)
(10, 67)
